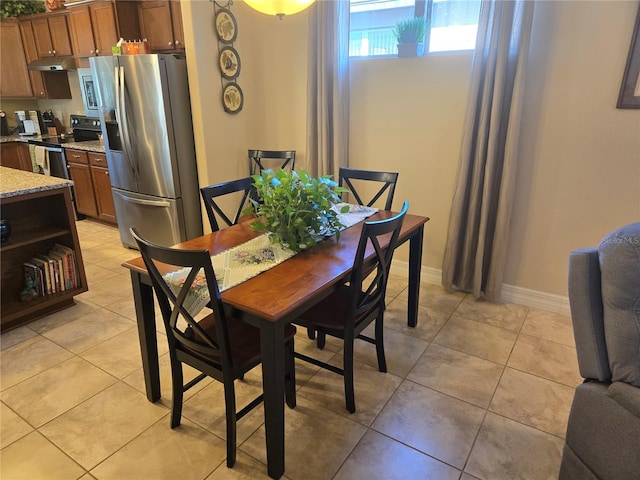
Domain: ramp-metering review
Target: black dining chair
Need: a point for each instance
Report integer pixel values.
(218, 345)
(280, 158)
(354, 180)
(215, 211)
(346, 312)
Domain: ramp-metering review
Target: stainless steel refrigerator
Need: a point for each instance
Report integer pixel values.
(144, 106)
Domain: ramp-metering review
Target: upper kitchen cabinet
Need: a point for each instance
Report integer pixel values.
(52, 85)
(161, 25)
(96, 26)
(51, 34)
(17, 49)
(14, 76)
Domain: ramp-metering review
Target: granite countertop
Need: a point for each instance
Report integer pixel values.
(90, 146)
(18, 182)
(13, 138)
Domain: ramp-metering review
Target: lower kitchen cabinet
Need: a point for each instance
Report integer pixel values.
(15, 155)
(80, 173)
(102, 187)
(92, 185)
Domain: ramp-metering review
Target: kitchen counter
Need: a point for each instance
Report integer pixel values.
(18, 182)
(90, 146)
(13, 138)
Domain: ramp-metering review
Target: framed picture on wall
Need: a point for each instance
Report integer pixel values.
(630, 90)
(89, 94)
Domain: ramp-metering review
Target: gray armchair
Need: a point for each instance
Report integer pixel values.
(603, 433)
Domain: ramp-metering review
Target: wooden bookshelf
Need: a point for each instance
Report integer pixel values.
(40, 217)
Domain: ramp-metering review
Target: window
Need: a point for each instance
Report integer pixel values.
(453, 25)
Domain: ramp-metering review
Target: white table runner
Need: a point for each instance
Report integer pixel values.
(245, 261)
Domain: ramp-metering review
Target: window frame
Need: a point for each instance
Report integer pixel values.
(422, 8)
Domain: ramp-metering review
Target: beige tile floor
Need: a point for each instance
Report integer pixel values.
(475, 391)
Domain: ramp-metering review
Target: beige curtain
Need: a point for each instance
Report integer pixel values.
(328, 87)
(478, 234)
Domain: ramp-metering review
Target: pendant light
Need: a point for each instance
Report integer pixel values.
(279, 7)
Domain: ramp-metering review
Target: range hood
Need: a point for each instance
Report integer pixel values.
(53, 64)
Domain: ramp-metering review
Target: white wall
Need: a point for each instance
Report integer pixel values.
(579, 174)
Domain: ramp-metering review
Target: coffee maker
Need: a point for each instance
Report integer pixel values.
(29, 122)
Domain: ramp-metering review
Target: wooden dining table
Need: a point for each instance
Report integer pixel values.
(271, 300)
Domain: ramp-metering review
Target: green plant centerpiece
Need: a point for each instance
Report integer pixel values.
(296, 208)
(410, 34)
(18, 8)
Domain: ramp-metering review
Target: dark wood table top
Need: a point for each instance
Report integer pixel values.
(277, 293)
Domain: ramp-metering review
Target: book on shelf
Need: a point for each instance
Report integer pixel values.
(49, 273)
(70, 266)
(58, 270)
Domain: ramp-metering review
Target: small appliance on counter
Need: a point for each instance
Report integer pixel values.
(30, 122)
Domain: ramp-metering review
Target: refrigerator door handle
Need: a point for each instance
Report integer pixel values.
(123, 121)
(149, 203)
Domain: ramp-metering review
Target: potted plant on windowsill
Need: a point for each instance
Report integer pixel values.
(410, 33)
(295, 208)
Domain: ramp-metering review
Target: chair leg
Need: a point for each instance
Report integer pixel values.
(382, 362)
(230, 406)
(177, 388)
(311, 333)
(290, 380)
(349, 394)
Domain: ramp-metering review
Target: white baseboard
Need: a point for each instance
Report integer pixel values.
(510, 293)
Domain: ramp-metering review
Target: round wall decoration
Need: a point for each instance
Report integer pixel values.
(229, 62)
(232, 98)
(226, 26)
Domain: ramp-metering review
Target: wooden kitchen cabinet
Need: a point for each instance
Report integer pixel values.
(161, 25)
(102, 187)
(39, 220)
(96, 26)
(52, 85)
(92, 185)
(14, 76)
(15, 155)
(51, 34)
(80, 173)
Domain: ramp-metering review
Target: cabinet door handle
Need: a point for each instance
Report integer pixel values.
(92, 51)
(106, 173)
(54, 52)
(171, 44)
(97, 159)
(177, 42)
(97, 51)
(50, 52)
(75, 156)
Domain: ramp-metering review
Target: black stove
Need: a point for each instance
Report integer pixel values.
(84, 129)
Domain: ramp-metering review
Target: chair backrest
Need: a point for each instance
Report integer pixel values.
(388, 180)
(213, 208)
(285, 159)
(368, 281)
(184, 333)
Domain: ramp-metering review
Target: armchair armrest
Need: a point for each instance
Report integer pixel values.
(585, 300)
